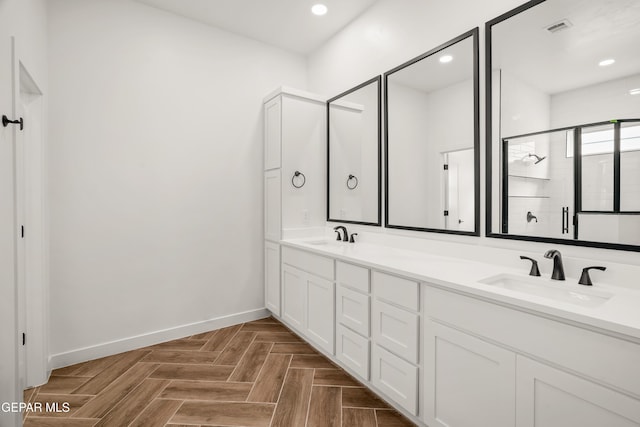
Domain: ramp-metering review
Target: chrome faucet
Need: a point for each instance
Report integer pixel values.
(558, 269)
(344, 230)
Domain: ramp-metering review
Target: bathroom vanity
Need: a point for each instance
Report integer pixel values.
(453, 342)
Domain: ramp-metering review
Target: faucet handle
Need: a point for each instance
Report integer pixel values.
(585, 279)
(534, 266)
(338, 232)
(352, 240)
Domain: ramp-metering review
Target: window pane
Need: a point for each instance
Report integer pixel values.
(597, 168)
(630, 167)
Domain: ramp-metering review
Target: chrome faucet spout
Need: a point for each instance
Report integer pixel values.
(558, 268)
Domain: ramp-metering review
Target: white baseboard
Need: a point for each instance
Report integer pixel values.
(127, 344)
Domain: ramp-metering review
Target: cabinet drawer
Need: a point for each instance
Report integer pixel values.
(396, 378)
(352, 310)
(353, 351)
(396, 330)
(352, 276)
(396, 290)
(306, 261)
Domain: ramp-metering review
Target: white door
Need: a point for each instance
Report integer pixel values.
(272, 277)
(320, 312)
(549, 397)
(32, 277)
(272, 205)
(20, 245)
(467, 382)
(460, 190)
(294, 293)
(272, 133)
(9, 386)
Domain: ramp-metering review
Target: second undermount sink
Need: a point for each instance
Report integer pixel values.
(561, 291)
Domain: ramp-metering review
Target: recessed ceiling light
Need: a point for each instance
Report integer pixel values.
(319, 9)
(635, 91)
(446, 58)
(606, 62)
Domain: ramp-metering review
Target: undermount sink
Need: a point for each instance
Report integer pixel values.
(323, 242)
(557, 290)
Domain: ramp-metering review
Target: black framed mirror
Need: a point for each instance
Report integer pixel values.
(354, 148)
(432, 159)
(563, 123)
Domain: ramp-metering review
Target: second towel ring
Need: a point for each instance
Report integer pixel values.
(295, 175)
(352, 178)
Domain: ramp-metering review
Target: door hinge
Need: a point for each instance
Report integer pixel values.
(24, 338)
(446, 167)
(22, 231)
(446, 213)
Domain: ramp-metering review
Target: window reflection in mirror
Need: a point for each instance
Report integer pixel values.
(562, 73)
(432, 140)
(354, 147)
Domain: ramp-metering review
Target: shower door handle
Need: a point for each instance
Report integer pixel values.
(565, 220)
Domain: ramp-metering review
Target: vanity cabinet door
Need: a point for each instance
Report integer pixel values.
(272, 277)
(320, 295)
(467, 382)
(272, 133)
(272, 205)
(549, 397)
(294, 295)
(395, 377)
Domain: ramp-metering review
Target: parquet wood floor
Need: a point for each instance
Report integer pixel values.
(258, 374)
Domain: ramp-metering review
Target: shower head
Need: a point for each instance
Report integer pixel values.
(538, 158)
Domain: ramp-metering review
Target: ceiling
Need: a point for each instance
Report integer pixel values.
(430, 74)
(568, 59)
(288, 24)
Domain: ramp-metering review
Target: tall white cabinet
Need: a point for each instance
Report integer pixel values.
(294, 156)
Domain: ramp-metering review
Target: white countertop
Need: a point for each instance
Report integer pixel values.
(620, 314)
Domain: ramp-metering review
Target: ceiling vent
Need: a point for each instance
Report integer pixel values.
(559, 26)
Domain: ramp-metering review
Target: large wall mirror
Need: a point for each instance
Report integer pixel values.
(563, 123)
(354, 149)
(431, 140)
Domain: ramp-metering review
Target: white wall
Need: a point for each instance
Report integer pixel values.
(407, 128)
(156, 170)
(423, 127)
(393, 31)
(596, 103)
(353, 135)
(599, 103)
(25, 20)
(390, 33)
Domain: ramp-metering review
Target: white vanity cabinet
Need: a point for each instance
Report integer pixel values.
(353, 318)
(395, 337)
(294, 141)
(308, 294)
(490, 364)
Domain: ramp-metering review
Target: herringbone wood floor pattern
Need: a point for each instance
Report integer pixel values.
(255, 374)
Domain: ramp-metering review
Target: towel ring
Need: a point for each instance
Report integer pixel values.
(352, 178)
(295, 175)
